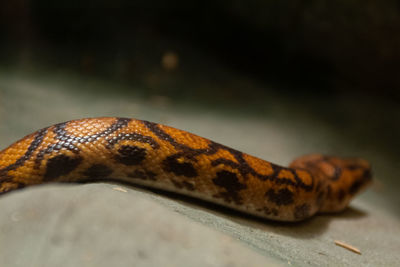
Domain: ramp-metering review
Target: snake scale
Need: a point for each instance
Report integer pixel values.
(161, 157)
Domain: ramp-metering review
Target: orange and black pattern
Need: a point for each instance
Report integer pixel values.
(162, 157)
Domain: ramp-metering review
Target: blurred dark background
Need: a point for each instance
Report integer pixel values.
(307, 45)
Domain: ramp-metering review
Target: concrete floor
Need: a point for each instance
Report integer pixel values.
(96, 225)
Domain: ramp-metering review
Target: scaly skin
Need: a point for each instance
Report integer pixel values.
(158, 156)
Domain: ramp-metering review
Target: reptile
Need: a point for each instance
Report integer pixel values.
(161, 157)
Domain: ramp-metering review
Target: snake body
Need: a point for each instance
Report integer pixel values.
(162, 157)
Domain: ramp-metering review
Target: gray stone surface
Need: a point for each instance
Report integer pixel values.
(94, 225)
(99, 225)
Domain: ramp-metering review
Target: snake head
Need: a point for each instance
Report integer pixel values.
(340, 179)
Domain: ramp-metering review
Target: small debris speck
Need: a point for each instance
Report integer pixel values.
(120, 189)
(347, 246)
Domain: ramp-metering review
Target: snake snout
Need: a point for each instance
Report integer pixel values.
(341, 178)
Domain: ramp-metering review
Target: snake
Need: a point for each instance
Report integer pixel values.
(156, 156)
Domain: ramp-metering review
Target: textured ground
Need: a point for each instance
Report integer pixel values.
(98, 225)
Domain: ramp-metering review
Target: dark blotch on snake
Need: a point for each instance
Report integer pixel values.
(183, 185)
(302, 211)
(97, 171)
(143, 175)
(130, 155)
(230, 182)
(60, 165)
(281, 197)
(171, 164)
